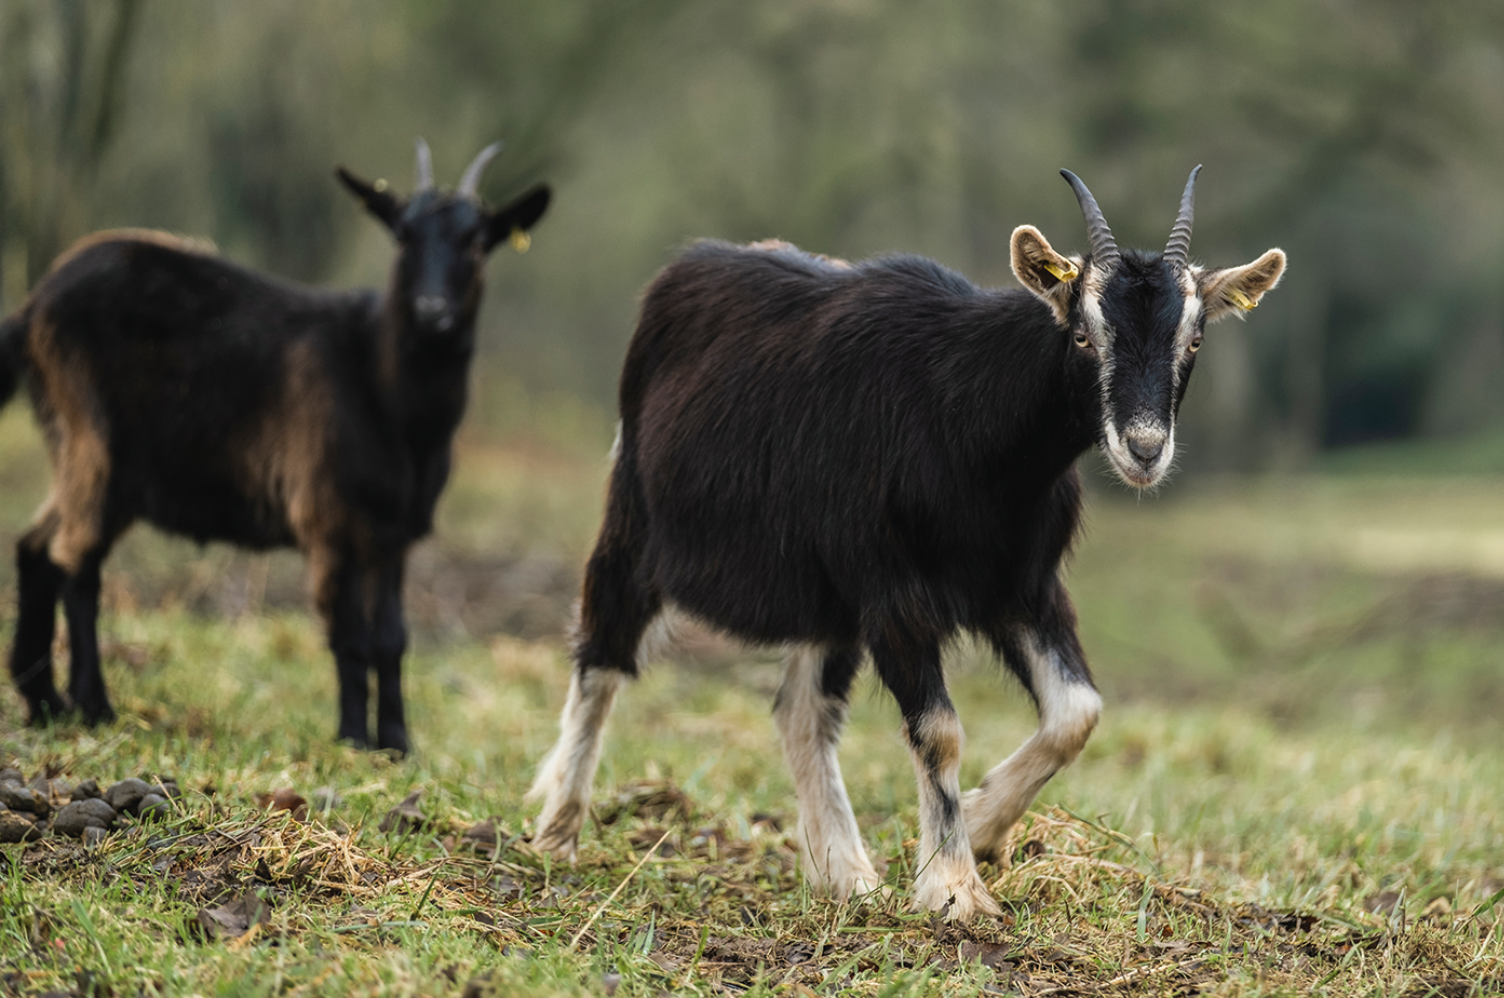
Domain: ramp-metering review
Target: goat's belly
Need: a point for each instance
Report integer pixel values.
(755, 594)
(226, 517)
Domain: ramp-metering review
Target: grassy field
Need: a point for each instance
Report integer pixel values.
(1294, 790)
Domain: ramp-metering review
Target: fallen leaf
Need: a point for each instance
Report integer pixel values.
(234, 918)
(405, 817)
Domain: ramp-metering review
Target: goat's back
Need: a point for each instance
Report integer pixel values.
(810, 439)
(195, 373)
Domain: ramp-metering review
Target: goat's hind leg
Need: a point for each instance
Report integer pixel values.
(809, 711)
(1054, 670)
(38, 583)
(81, 609)
(615, 613)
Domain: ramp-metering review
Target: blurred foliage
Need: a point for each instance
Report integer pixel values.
(1362, 137)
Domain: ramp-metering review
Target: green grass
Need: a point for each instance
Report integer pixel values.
(1294, 789)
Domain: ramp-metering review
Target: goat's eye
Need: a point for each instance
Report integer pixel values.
(1082, 341)
(1195, 344)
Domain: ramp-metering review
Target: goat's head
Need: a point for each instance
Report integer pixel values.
(445, 237)
(1136, 320)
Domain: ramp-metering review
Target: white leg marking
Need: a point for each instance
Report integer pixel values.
(1068, 711)
(947, 873)
(565, 776)
(830, 844)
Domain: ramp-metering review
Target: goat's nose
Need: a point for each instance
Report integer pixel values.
(430, 309)
(1145, 450)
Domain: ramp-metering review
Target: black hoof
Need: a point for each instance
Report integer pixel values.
(51, 709)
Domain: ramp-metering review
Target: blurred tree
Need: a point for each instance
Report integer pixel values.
(62, 66)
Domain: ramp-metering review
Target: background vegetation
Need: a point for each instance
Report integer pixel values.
(1295, 786)
(1363, 137)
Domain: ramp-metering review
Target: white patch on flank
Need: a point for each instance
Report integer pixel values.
(830, 844)
(947, 872)
(565, 777)
(1068, 712)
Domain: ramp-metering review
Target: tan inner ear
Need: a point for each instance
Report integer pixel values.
(1238, 289)
(1046, 274)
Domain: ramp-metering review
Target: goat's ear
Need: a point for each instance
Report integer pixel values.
(513, 221)
(1046, 274)
(1238, 289)
(377, 197)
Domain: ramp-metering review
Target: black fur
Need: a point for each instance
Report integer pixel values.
(874, 456)
(229, 405)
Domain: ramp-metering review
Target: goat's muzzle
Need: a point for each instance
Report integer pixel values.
(433, 313)
(1141, 453)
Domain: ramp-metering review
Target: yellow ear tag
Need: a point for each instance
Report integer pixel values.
(521, 240)
(1066, 273)
(1241, 300)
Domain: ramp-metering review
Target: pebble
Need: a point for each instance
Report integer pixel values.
(153, 807)
(19, 798)
(16, 826)
(76, 818)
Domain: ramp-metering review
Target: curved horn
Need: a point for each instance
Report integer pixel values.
(1179, 246)
(1104, 248)
(471, 180)
(425, 167)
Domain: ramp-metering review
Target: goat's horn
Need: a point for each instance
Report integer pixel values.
(1179, 246)
(471, 180)
(1104, 248)
(425, 167)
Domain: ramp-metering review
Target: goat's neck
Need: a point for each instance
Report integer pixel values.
(1010, 384)
(424, 380)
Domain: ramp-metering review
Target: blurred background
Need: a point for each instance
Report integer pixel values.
(1365, 138)
(1319, 509)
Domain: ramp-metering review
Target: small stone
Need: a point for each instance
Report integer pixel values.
(19, 798)
(16, 826)
(153, 807)
(87, 790)
(167, 786)
(93, 836)
(11, 775)
(125, 795)
(73, 819)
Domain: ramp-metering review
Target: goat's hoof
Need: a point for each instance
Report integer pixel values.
(50, 709)
(559, 837)
(956, 902)
(94, 715)
(394, 743)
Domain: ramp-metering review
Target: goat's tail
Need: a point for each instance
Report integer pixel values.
(13, 362)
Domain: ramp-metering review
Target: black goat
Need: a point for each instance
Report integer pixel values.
(870, 458)
(223, 404)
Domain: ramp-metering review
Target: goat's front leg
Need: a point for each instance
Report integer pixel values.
(1054, 671)
(810, 709)
(947, 879)
(339, 584)
(389, 643)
